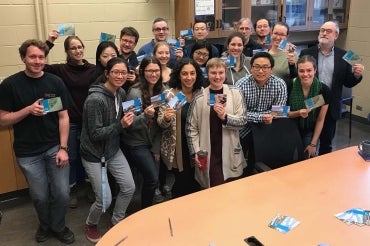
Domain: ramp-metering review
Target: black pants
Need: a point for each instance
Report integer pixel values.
(248, 150)
(327, 134)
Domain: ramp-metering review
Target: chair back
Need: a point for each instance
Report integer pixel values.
(277, 144)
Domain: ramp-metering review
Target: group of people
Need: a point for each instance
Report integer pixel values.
(224, 90)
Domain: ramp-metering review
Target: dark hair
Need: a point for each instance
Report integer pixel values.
(307, 58)
(233, 35)
(158, 87)
(175, 81)
(33, 42)
(67, 43)
(199, 21)
(201, 44)
(280, 23)
(255, 23)
(99, 50)
(114, 61)
(130, 31)
(263, 55)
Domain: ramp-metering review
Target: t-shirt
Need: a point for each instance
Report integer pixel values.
(34, 134)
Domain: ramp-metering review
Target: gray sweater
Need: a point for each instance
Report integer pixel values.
(101, 124)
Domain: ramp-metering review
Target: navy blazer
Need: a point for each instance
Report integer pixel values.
(342, 76)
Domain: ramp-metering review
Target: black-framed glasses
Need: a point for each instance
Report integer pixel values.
(158, 29)
(201, 54)
(258, 68)
(117, 73)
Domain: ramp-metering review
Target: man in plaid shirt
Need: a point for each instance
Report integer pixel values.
(261, 90)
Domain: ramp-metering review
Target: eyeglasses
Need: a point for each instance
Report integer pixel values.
(244, 28)
(279, 34)
(117, 73)
(80, 47)
(328, 31)
(158, 29)
(127, 41)
(201, 54)
(152, 71)
(258, 68)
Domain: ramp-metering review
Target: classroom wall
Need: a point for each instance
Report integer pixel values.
(23, 19)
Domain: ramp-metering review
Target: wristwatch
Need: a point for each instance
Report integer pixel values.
(65, 148)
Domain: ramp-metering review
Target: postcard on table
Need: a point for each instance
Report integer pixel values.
(217, 98)
(352, 58)
(107, 37)
(314, 102)
(52, 104)
(133, 105)
(66, 29)
(280, 111)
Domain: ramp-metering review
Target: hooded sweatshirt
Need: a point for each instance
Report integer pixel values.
(101, 123)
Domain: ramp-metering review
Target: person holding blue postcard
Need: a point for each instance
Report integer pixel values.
(213, 128)
(305, 87)
(283, 53)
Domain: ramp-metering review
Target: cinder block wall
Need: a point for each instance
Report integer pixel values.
(23, 19)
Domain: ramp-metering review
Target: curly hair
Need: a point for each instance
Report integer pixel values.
(175, 77)
(144, 85)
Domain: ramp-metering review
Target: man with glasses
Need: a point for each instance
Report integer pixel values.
(200, 33)
(263, 29)
(127, 42)
(245, 27)
(261, 89)
(160, 32)
(335, 72)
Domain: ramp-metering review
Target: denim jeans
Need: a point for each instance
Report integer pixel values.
(76, 172)
(142, 158)
(119, 168)
(48, 186)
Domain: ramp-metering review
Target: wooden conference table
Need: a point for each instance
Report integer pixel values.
(311, 191)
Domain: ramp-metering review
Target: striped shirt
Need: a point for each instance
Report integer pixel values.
(259, 100)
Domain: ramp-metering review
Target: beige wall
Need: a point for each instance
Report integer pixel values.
(23, 19)
(358, 40)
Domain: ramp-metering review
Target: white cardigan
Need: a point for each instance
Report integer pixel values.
(198, 130)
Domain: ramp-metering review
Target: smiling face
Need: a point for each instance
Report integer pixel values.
(34, 61)
(75, 51)
(116, 77)
(262, 28)
(163, 54)
(328, 34)
(306, 73)
(200, 31)
(201, 56)
(107, 54)
(160, 31)
(279, 33)
(216, 76)
(152, 73)
(246, 29)
(127, 44)
(261, 70)
(235, 47)
(188, 75)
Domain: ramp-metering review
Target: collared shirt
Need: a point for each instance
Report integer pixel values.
(259, 100)
(325, 64)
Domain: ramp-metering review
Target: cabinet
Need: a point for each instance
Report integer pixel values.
(11, 176)
(221, 15)
(310, 15)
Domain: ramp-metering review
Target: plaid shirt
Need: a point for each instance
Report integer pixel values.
(259, 100)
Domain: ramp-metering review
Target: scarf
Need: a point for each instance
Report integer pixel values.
(296, 102)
